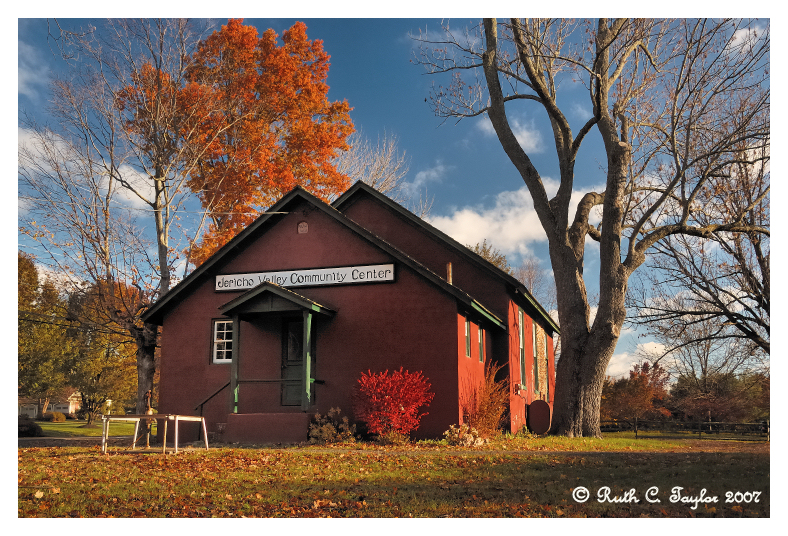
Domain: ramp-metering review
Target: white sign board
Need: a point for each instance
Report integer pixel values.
(308, 278)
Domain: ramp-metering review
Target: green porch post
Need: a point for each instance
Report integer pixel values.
(306, 380)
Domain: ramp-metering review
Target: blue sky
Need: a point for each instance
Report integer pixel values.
(477, 192)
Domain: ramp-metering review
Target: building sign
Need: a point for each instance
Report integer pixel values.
(308, 278)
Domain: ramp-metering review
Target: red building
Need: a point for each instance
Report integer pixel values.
(280, 323)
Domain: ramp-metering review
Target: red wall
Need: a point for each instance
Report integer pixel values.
(489, 290)
(470, 369)
(429, 251)
(408, 323)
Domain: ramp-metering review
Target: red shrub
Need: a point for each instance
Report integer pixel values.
(391, 403)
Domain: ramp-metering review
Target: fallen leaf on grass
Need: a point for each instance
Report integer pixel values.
(38, 494)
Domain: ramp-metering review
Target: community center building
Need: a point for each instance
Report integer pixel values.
(282, 321)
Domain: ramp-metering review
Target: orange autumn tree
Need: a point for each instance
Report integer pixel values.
(640, 396)
(277, 128)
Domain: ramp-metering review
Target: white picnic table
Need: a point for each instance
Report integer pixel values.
(166, 417)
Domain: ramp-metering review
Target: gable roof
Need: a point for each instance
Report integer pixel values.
(268, 297)
(360, 188)
(155, 314)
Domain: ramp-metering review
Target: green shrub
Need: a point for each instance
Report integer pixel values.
(58, 417)
(330, 428)
(28, 427)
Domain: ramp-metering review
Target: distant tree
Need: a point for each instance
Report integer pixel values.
(102, 365)
(491, 254)
(381, 165)
(721, 397)
(640, 396)
(704, 348)
(530, 274)
(43, 344)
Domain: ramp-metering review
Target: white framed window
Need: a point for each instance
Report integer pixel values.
(521, 322)
(222, 341)
(467, 338)
(481, 345)
(536, 358)
(546, 366)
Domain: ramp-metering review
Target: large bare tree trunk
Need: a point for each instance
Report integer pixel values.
(145, 338)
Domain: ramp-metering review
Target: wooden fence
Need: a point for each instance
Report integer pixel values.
(758, 431)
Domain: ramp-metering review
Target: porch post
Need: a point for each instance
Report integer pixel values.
(306, 380)
(234, 367)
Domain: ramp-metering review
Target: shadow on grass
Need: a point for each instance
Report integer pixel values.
(354, 483)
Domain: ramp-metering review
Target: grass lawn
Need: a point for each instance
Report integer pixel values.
(514, 477)
(77, 429)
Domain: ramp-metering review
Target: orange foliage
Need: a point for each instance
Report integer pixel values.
(267, 126)
(154, 111)
(639, 396)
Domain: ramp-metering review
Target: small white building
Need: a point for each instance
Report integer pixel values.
(64, 405)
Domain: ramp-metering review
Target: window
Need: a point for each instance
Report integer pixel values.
(481, 345)
(467, 337)
(521, 322)
(546, 367)
(222, 341)
(536, 358)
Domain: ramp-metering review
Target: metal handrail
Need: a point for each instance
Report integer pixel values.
(201, 404)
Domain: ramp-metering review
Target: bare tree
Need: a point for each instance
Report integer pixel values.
(492, 255)
(381, 166)
(724, 278)
(716, 372)
(384, 168)
(674, 102)
(536, 280)
(122, 138)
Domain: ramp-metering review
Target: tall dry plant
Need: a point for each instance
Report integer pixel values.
(484, 404)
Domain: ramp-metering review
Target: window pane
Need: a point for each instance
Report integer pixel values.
(222, 340)
(481, 345)
(467, 337)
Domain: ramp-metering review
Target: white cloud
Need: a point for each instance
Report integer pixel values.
(140, 182)
(426, 176)
(32, 71)
(621, 363)
(31, 143)
(528, 136)
(510, 224)
(747, 36)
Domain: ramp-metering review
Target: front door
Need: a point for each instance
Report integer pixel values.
(292, 362)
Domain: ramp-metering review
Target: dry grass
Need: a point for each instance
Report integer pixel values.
(516, 478)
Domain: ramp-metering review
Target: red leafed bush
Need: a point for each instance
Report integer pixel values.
(390, 403)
